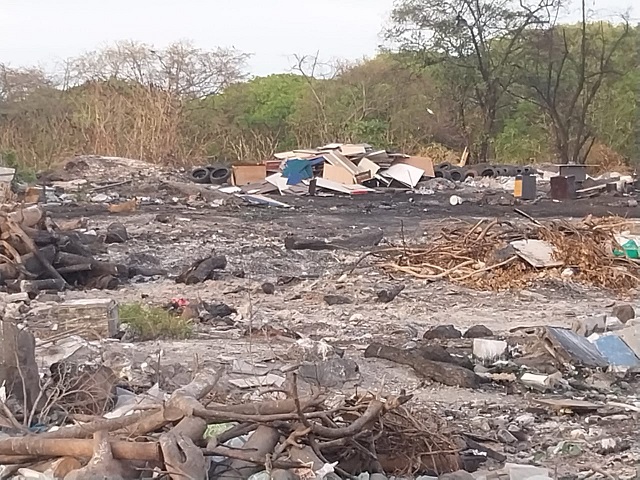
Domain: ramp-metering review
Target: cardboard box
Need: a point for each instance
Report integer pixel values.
(246, 174)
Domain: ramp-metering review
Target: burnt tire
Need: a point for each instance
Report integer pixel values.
(200, 175)
(488, 172)
(471, 173)
(219, 175)
(456, 174)
(445, 166)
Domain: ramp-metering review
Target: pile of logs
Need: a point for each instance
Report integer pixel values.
(36, 254)
(293, 437)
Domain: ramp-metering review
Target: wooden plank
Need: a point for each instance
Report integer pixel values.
(337, 174)
(247, 174)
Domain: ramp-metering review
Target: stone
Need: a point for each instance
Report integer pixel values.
(268, 288)
(442, 331)
(525, 419)
(624, 312)
(377, 476)
(478, 331)
(505, 436)
(459, 475)
(116, 233)
(337, 300)
(589, 325)
(386, 295)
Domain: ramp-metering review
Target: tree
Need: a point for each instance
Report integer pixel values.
(180, 69)
(476, 41)
(562, 70)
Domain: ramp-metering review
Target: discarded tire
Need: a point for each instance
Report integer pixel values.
(445, 166)
(219, 175)
(500, 171)
(200, 175)
(488, 172)
(439, 173)
(456, 174)
(529, 171)
(471, 173)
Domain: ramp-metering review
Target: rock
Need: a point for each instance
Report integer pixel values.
(219, 310)
(386, 295)
(505, 436)
(330, 373)
(459, 475)
(377, 476)
(624, 312)
(202, 270)
(588, 325)
(268, 288)
(524, 472)
(478, 331)
(442, 331)
(116, 233)
(632, 202)
(337, 300)
(525, 419)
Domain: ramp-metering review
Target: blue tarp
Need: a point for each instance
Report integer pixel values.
(298, 169)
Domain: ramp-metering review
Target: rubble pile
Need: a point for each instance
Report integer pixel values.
(501, 255)
(36, 254)
(189, 434)
(341, 168)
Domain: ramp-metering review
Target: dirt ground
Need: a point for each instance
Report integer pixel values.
(252, 239)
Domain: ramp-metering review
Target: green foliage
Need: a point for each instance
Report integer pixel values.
(151, 323)
(24, 174)
(406, 101)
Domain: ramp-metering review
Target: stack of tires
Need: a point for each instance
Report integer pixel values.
(213, 174)
(460, 174)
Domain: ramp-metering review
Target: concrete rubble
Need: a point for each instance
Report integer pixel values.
(156, 324)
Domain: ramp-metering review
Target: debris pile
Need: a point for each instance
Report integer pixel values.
(500, 255)
(189, 435)
(36, 254)
(341, 168)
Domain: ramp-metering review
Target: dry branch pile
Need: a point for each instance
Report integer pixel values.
(298, 433)
(480, 256)
(36, 254)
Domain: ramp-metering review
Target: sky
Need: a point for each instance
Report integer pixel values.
(45, 32)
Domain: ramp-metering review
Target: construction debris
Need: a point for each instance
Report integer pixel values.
(486, 255)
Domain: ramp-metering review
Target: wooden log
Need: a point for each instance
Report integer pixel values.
(262, 442)
(447, 374)
(179, 405)
(34, 446)
(436, 353)
(31, 246)
(352, 242)
(88, 429)
(64, 259)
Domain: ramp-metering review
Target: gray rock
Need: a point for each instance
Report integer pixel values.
(459, 475)
(505, 436)
(337, 300)
(442, 331)
(116, 233)
(378, 476)
(478, 331)
(330, 373)
(624, 312)
(268, 288)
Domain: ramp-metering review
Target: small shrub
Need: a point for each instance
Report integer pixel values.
(151, 323)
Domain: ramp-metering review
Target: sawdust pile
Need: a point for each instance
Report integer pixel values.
(480, 255)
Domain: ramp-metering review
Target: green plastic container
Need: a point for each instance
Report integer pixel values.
(630, 249)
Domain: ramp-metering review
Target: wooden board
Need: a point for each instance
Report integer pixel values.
(247, 174)
(337, 174)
